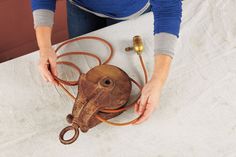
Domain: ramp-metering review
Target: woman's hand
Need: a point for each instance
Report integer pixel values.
(148, 101)
(47, 64)
(151, 92)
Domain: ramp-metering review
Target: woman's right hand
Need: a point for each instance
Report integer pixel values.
(47, 64)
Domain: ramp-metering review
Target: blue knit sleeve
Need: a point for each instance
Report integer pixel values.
(167, 16)
(43, 4)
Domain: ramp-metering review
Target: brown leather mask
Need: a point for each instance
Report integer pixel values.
(103, 87)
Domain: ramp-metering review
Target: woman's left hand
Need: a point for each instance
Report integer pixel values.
(148, 100)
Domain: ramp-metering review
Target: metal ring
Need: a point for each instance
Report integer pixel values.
(64, 131)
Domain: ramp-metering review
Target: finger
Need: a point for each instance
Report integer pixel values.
(145, 115)
(42, 74)
(48, 75)
(44, 78)
(53, 71)
(44, 68)
(142, 104)
(53, 65)
(136, 106)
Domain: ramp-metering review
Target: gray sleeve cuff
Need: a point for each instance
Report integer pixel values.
(43, 17)
(164, 43)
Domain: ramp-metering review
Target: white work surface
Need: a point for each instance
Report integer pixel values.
(197, 113)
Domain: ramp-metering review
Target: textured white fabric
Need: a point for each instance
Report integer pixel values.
(197, 113)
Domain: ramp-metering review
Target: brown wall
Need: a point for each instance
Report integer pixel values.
(17, 35)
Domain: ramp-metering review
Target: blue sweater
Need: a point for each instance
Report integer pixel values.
(167, 13)
(167, 16)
